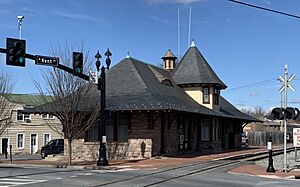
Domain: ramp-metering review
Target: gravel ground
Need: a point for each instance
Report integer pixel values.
(278, 161)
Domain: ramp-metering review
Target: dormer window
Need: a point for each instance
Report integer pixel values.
(206, 95)
(23, 117)
(216, 96)
(167, 82)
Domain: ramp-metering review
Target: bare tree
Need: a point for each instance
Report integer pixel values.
(74, 101)
(6, 107)
(257, 112)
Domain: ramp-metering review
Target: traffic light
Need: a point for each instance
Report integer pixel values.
(277, 113)
(288, 113)
(16, 50)
(77, 62)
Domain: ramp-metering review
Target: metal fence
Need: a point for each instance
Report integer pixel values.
(260, 138)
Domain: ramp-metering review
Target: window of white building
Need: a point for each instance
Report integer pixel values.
(47, 138)
(24, 117)
(47, 116)
(20, 141)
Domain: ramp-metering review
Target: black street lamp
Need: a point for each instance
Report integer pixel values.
(102, 161)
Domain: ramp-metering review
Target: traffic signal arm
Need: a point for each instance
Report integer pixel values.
(2, 50)
(30, 56)
(70, 70)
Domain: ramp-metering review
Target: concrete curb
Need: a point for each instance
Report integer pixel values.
(59, 166)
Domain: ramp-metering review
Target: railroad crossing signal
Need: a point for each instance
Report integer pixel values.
(77, 62)
(15, 52)
(288, 83)
(288, 113)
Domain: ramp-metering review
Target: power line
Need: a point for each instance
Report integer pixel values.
(252, 85)
(266, 9)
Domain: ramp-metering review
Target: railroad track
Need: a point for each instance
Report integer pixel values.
(259, 155)
(205, 166)
(196, 168)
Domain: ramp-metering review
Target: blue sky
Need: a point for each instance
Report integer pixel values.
(243, 45)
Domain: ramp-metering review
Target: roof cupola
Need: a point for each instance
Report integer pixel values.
(169, 61)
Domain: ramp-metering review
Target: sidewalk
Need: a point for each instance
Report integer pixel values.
(161, 162)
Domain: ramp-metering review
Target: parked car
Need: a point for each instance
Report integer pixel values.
(55, 146)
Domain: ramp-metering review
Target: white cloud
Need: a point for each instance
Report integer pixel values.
(245, 107)
(158, 19)
(78, 16)
(175, 1)
(255, 94)
(266, 2)
(8, 2)
(242, 101)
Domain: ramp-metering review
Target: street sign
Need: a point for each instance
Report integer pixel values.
(296, 135)
(94, 76)
(46, 60)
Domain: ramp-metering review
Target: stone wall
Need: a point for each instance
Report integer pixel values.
(134, 148)
(207, 147)
(140, 129)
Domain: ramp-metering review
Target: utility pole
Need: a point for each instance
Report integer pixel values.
(281, 121)
(286, 84)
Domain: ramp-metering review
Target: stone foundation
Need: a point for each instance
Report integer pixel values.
(207, 147)
(88, 151)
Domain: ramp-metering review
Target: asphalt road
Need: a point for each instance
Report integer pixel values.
(201, 174)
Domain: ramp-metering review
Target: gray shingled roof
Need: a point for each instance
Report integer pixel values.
(228, 109)
(193, 69)
(134, 85)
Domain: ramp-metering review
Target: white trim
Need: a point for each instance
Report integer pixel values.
(47, 116)
(44, 138)
(36, 141)
(17, 142)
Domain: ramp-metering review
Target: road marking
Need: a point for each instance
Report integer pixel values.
(18, 181)
(86, 174)
(104, 171)
(127, 169)
(25, 177)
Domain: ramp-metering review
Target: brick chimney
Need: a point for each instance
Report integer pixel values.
(169, 61)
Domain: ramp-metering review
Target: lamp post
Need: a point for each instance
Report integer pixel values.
(270, 165)
(20, 19)
(102, 161)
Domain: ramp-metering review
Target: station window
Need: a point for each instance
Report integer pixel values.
(206, 95)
